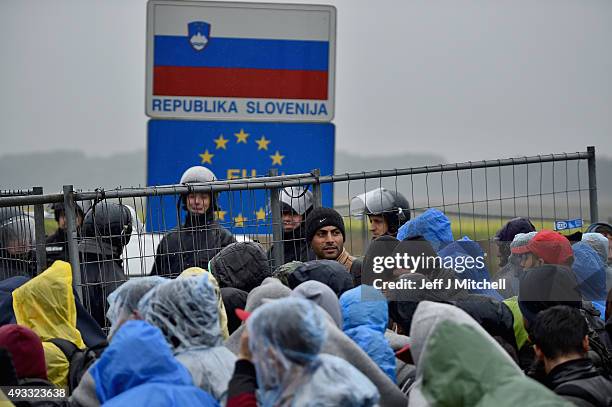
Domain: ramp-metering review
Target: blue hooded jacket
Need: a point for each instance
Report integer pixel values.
(590, 272)
(466, 248)
(365, 317)
(138, 369)
(432, 224)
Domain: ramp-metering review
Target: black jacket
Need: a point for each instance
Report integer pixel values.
(57, 246)
(579, 382)
(100, 276)
(191, 245)
(295, 247)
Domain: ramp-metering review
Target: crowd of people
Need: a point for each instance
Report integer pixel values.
(218, 322)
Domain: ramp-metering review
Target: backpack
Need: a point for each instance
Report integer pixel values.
(79, 359)
(598, 352)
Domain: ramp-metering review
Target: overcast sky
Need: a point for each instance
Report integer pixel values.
(468, 79)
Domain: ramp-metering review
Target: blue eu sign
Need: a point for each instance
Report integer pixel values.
(234, 150)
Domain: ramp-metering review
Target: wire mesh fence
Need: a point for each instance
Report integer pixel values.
(109, 236)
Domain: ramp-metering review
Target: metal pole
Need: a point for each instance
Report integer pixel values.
(72, 236)
(277, 224)
(592, 185)
(316, 189)
(39, 230)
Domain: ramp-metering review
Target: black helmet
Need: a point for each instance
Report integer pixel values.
(17, 235)
(107, 226)
(392, 205)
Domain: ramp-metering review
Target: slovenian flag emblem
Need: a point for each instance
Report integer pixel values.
(210, 60)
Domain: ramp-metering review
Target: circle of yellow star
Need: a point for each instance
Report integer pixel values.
(239, 220)
(242, 137)
(261, 214)
(262, 143)
(221, 142)
(206, 157)
(277, 158)
(221, 215)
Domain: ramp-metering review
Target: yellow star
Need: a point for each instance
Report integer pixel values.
(239, 220)
(261, 214)
(221, 142)
(262, 143)
(277, 158)
(242, 137)
(206, 157)
(221, 215)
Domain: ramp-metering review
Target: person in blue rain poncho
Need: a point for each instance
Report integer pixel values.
(590, 272)
(138, 369)
(475, 271)
(186, 311)
(432, 225)
(366, 315)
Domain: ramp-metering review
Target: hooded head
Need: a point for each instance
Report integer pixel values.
(506, 234)
(329, 272)
(242, 265)
(137, 355)
(233, 299)
(461, 252)
(285, 338)
(590, 271)
(546, 286)
(321, 295)
(123, 302)
(270, 289)
(599, 243)
(364, 306)
(186, 312)
(26, 350)
(432, 224)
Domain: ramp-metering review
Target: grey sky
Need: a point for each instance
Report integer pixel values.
(468, 79)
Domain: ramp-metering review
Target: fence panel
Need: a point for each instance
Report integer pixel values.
(478, 198)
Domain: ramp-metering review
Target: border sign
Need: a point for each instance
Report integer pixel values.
(240, 61)
(234, 150)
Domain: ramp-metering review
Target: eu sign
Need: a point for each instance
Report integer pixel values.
(234, 150)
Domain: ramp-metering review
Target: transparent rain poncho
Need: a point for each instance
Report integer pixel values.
(186, 311)
(124, 300)
(285, 338)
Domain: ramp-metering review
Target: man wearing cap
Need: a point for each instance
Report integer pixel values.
(546, 247)
(325, 234)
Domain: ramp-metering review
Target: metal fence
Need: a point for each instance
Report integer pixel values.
(478, 197)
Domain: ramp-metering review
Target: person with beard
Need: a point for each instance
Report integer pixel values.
(200, 237)
(326, 236)
(296, 203)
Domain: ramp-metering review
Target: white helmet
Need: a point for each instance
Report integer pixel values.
(197, 174)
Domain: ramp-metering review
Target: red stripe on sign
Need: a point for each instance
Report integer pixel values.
(239, 82)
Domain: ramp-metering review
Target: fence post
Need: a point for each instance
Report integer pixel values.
(39, 230)
(592, 185)
(72, 236)
(316, 189)
(277, 224)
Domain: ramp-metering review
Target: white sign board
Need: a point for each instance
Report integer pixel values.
(240, 61)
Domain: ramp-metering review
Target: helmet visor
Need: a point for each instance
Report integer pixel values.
(17, 235)
(374, 202)
(297, 198)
